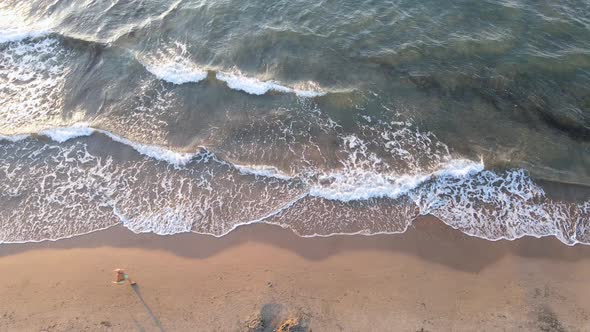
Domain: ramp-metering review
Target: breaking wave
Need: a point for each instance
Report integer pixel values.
(254, 86)
(69, 177)
(177, 69)
(14, 28)
(172, 63)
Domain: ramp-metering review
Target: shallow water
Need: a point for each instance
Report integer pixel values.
(326, 117)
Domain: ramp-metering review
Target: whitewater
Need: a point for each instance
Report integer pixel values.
(531, 213)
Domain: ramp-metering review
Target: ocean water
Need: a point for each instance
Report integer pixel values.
(325, 117)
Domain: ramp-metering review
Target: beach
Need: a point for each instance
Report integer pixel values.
(432, 278)
(351, 165)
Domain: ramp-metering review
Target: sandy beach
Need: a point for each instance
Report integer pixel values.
(431, 278)
(217, 151)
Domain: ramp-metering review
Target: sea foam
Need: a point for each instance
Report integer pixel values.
(14, 138)
(483, 203)
(255, 86)
(358, 184)
(172, 64)
(32, 75)
(154, 151)
(63, 134)
(262, 170)
(175, 72)
(12, 35)
(14, 28)
(365, 195)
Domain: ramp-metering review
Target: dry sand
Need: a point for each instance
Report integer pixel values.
(431, 278)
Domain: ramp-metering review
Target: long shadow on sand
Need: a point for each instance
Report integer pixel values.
(428, 238)
(147, 308)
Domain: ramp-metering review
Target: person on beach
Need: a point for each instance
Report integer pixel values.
(121, 276)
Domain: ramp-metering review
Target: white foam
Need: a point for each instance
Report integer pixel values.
(32, 76)
(388, 160)
(63, 134)
(459, 168)
(14, 28)
(485, 204)
(173, 65)
(154, 151)
(358, 184)
(502, 205)
(11, 35)
(308, 93)
(262, 219)
(14, 138)
(262, 170)
(174, 72)
(255, 86)
(488, 204)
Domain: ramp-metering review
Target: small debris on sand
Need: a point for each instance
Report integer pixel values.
(274, 317)
(549, 322)
(255, 323)
(290, 325)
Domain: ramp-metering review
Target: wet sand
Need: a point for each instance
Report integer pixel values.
(432, 278)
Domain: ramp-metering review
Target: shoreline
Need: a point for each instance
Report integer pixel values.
(259, 222)
(431, 277)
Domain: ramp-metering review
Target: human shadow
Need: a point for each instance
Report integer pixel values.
(137, 291)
